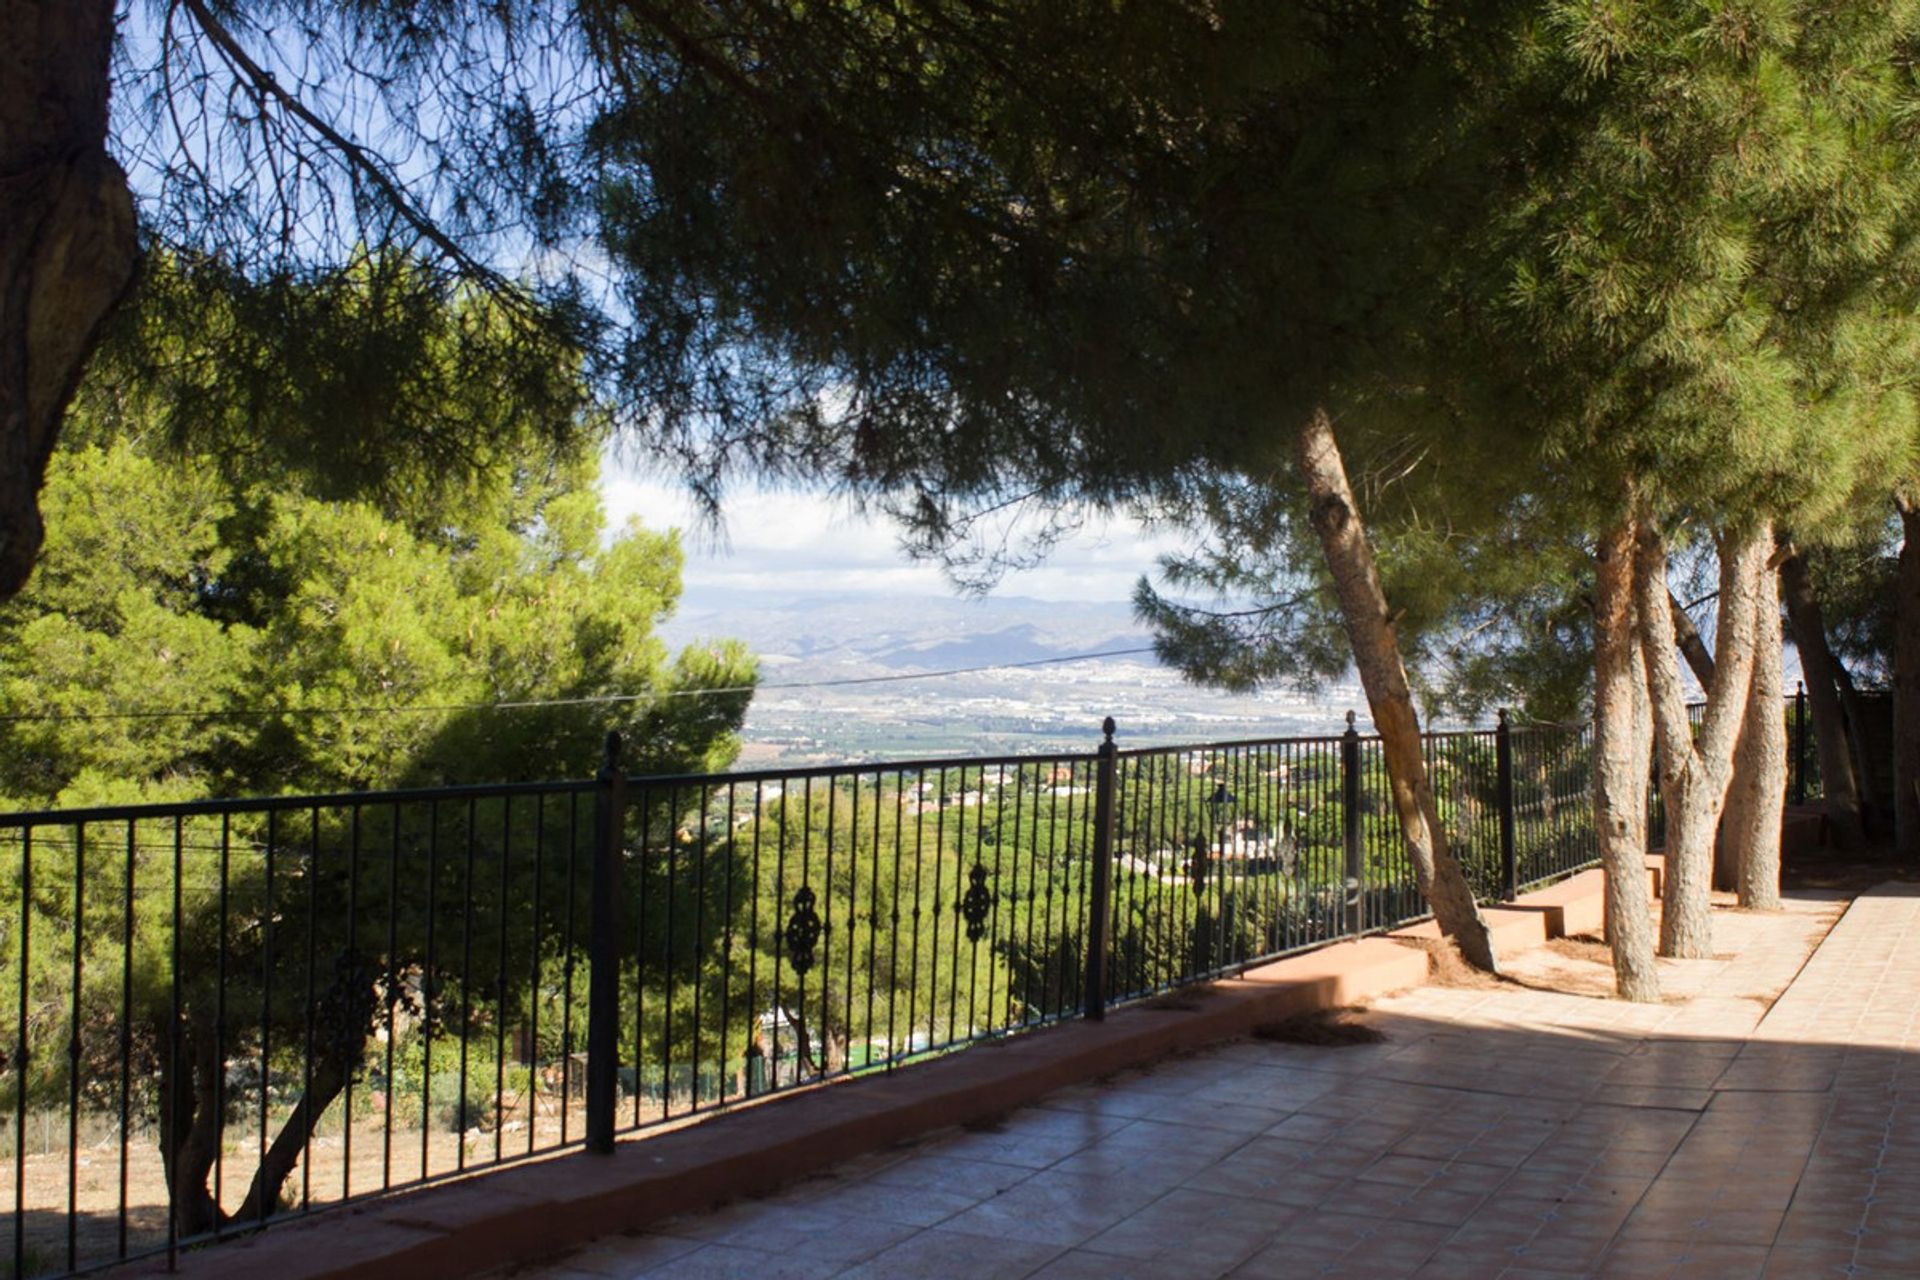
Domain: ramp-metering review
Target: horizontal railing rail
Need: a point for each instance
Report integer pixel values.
(228, 1012)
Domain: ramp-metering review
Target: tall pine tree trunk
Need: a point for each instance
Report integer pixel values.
(1694, 775)
(1831, 735)
(1906, 688)
(1758, 797)
(1620, 767)
(1376, 652)
(67, 245)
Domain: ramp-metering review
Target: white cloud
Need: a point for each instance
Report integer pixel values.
(775, 540)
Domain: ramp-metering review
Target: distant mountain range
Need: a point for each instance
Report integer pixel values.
(920, 633)
(831, 664)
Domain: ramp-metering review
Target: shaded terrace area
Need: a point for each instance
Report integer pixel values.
(1755, 1124)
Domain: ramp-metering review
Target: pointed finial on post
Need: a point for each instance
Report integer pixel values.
(1350, 722)
(1107, 727)
(610, 761)
(1503, 717)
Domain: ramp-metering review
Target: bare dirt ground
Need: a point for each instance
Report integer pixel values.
(379, 1159)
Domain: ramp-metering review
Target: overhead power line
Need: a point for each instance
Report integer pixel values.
(529, 704)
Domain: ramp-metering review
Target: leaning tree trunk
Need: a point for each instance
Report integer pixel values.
(1692, 647)
(1376, 652)
(263, 1192)
(1906, 688)
(1821, 671)
(1726, 872)
(1620, 768)
(67, 245)
(1758, 797)
(1694, 775)
(190, 1123)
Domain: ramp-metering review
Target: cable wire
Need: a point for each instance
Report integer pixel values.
(528, 704)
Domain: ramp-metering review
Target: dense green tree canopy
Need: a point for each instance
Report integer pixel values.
(246, 615)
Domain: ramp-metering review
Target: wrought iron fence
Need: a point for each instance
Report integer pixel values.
(230, 1012)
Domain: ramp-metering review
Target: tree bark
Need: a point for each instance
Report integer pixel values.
(263, 1193)
(1758, 797)
(190, 1123)
(1376, 652)
(67, 241)
(1906, 688)
(1831, 735)
(1620, 767)
(1692, 647)
(1726, 874)
(1694, 774)
(1876, 806)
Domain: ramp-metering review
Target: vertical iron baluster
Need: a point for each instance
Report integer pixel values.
(603, 947)
(533, 971)
(959, 878)
(392, 992)
(1053, 1001)
(500, 988)
(24, 1052)
(126, 1031)
(1098, 935)
(753, 945)
(429, 991)
(1073, 907)
(699, 936)
(1027, 1007)
(893, 934)
(672, 894)
(873, 917)
(919, 872)
(1800, 742)
(640, 945)
(1223, 916)
(566, 969)
(934, 950)
(350, 972)
(466, 986)
(73, 1049)
(933, 955)
(804, 1040)
(306, 1063)
(1350, 803)
(1168, 883)
(780, 936)
(853, 907)
(999, 895)
(824, 1037)
(173, 1045)
(726, 940)
(266, 998)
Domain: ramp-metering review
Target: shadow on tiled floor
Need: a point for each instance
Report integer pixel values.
(1507, 1132)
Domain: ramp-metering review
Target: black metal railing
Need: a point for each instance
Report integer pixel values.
(228, 1012)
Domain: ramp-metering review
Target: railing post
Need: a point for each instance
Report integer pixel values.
(603, 951)
(1105, 780)
(1800, 742)
(1503, 799)
(1350, 802)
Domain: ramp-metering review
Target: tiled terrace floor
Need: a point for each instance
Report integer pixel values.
(1529, 1129)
